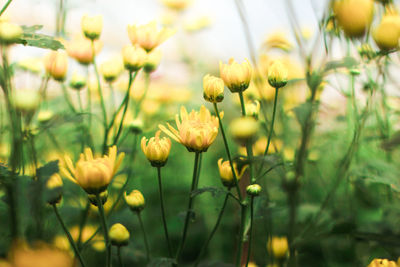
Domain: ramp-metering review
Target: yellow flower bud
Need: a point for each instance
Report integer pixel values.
(77, 81)
(119, 235)
(152, 61)
(136, 126)
(135, 200)
(225, 172)
(277, 74)
(26, 100)
(45, 116)
(134, 57)
(213, 89)
(157, 149)
(111, 69)
(244, 129)
(253, 190)
(382, 263)
(278, 246)
(253, 109)
(236, 76)
(387, 34)
(148, 36)
(9, 32)
(92, 26)
(56, 65)
(54, 185)
(178, 5)
(354, 16)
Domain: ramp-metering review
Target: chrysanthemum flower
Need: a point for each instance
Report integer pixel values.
(148, 36)
(156, 149)
(93, 174)
(196, 130)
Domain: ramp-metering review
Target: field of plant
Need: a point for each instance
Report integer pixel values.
(135, 153)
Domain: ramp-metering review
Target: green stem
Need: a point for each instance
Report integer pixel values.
(251, 229)
(146, 89)
(105, 230)
(67, 98)
(121, 264)
(146, 243)
(89, 105)
(67, 233)
(163, 211)
(241, 235)
(5, 7)
(190, 205)
(228, 153)
(214, 230)
(103, 106)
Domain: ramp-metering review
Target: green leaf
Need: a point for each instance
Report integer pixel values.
(346, 62)
(31, 29)
(45, 172)
(302, 112)
(31, 38)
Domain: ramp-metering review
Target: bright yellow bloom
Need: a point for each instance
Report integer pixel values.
(236, 76)
(112, 68)
(152, 61)
(56, 65)
(81, 49)
(9, 32)
(92, 26)
(119, 235)
(225, 172)
(93, 174)
(176, 4)
(278, 246)
(148, 36)
(134, 57)
(213, 89)
(387, 34)
(196, 130)
(156, 149)
(354, 16)
(277, 74)
(135, 200)
(382, 263)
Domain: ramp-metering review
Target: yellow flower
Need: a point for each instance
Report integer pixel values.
(156, 149)
(244, 129)
(26, 100)
(382, 263)
(387, 34)
(278, 246)
(45, 116)
(135, 200)
(34, 65)
(213, 89)
(93, 174)
(176, 4)
(78, 81)
(134, 57)
(225, 172)
(92, 26)
(253, 190)
(119, 235)
(197, 24)
(354, 16)
(148, 36)
(152, 61)
(9, 32)
(277, 74)
(236, 76)
(253, 108)
(81, 49)
(278, 40)
(196, 130)
(56, 65)
(111, 68)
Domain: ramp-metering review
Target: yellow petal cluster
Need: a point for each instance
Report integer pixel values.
(278, 246)
(225, 172)
(92, 26)
(56, 65)
(156, 149)
(134, 57)
(386, 35)
(135, 200)
(354, 16)
(93, 174)
(195, 130)
(213, 89)
(119, 235)
(236, 76)
(382, 263)
(148, 36)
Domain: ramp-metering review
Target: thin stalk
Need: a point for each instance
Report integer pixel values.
(163, 211)
(251, 229)
(67, 98)
(89, 105)
(78, 92)
(121, 264)
(241, 236)
(105, 230)
(146, 89)
(5, 7)
(103, 106)
(190, 205)
(67, 233)
(271, 129)
(228, 153)
(214, 230)
(146, 243)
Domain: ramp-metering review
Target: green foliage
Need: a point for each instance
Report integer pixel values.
(30, 37)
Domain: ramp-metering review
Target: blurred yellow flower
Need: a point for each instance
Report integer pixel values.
(119, 235)
(92, 26)
(80, 49)
(213, 89)
(156, 149)
(278, 40)
(9, 32)
(34, 65)
(278, 246)
(93, 174)
(225, 172)
(178, 5)
(134, 57)
(244, 129)
(148, 36)
(387, 34)
(56, 65)
(196, 130)
(382, 263)
(277, 74)
(152, 61)
(135, 200)
(197, 24)
(112, 68)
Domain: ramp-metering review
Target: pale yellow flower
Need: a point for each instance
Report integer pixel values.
(178, 5)
(135, 200)
(236, 76)
(92, 26)
(148, 36)
(56, 64)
